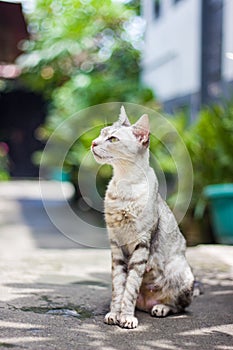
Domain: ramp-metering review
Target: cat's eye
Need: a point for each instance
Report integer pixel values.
(113, 139)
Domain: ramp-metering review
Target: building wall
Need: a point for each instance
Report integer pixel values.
(171, 63)
(188, 56)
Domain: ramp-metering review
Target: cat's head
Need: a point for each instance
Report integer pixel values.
(122, 141)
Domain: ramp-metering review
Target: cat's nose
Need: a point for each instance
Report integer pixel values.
(93, 144)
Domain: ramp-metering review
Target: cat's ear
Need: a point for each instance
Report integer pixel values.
(141, 129)
(123, 119)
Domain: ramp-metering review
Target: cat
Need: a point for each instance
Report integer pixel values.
(149, 268)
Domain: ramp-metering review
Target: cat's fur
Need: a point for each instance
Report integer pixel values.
(149, 268)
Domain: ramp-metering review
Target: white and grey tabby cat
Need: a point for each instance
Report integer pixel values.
(149, 268)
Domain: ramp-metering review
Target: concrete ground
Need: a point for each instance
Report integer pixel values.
(54, 292)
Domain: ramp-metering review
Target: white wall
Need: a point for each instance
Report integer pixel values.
(227, 64)
(171, 64)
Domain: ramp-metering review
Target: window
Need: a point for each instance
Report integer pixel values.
(157, 8)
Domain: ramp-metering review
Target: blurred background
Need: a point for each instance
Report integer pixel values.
(58, 57)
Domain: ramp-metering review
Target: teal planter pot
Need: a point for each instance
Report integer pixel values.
(59, 175)
(220, 198)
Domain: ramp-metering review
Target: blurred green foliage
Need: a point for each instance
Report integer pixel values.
(210, 144)
(209, 141)
(82, 53)
(4, 172)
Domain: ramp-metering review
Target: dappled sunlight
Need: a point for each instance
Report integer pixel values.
(18, 325)
(8, 293)
(202, 326)
(13, 341)
(222, 292)
(225, 329)
(160, 344)
(38, 286)
(20, 328)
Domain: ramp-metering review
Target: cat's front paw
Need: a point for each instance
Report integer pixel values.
(128, 321)
(160, 310)
(111, 318)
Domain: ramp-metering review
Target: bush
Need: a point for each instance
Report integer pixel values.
(209, 141)
(210, 144)
(4, 172)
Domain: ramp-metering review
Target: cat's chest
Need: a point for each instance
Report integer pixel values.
(124, 205)
(120, 214)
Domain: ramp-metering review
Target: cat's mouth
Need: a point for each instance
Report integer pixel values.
(96, 154)
(100, 157)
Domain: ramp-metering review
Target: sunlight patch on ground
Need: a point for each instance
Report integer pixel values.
(226, 328)
(18, 325)
(23, 340)
(222, 292)
(11, 293)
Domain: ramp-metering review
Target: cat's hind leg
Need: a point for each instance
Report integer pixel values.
(160, 310)
(176, 305)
